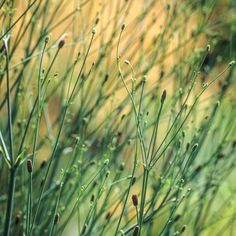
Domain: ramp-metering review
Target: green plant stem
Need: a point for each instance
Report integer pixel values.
(9, 103)
(143, 197)
(59, 133)
(11, 187)
(10, 202)
(154, 160)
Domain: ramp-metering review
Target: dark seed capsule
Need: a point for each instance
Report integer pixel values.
(162, 74)
(198, 169)
(84, 229)
(92, 198)
(105, 78)
(108, 215)
(136, 231)
(61, 43)
(234, 144)
(183, 228)
(195, 146)
(187, 146)
(92, 163)
(56, 219)
(97, 21)
(123, 116)
(220, 156)
(232, 63)
(43, 164)
(17, 219)
(163, 96)
(133, 180)
(47, 39)
(177, 217)
(107, 174)
(29, 166)
(135, 200)
(122, 166)
(208, 48)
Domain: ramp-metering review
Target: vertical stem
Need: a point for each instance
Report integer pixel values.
(10, 202)
(11, 186)
(9, 102)
(143, 197)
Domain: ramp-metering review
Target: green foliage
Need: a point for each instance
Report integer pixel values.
(117, 118)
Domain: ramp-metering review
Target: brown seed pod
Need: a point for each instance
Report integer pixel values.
(29, 166)
(61, 43)
(163, 96)
(135, 200)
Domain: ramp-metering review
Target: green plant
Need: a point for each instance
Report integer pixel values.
(119, 119)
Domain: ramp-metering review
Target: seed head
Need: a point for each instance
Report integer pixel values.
(106, 78)
(135, 200)
(177, 217)
(107, 173)
(61, 43)
(133, 180)
(208, 48)
(84, 229)
(127, 62)
(43, 163)
(183, 228)
(187, 146)
(122, 166)
(92, 163)
(231, 63)
(47, 39)
(97, 21)
(136, 231)
(123, 116)
(234, 144)
(144, 79)
(108, 215)
(106, 162)
(29, 166)
(195, 146)
(123, 27)
(163, 96)
(92, 198)
(167, 7)
(56, 219)
(17, 219)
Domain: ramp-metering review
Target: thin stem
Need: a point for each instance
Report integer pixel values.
(11, 27)
(59, 133)
(11, 187)
(9, 109)
(10, 202)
